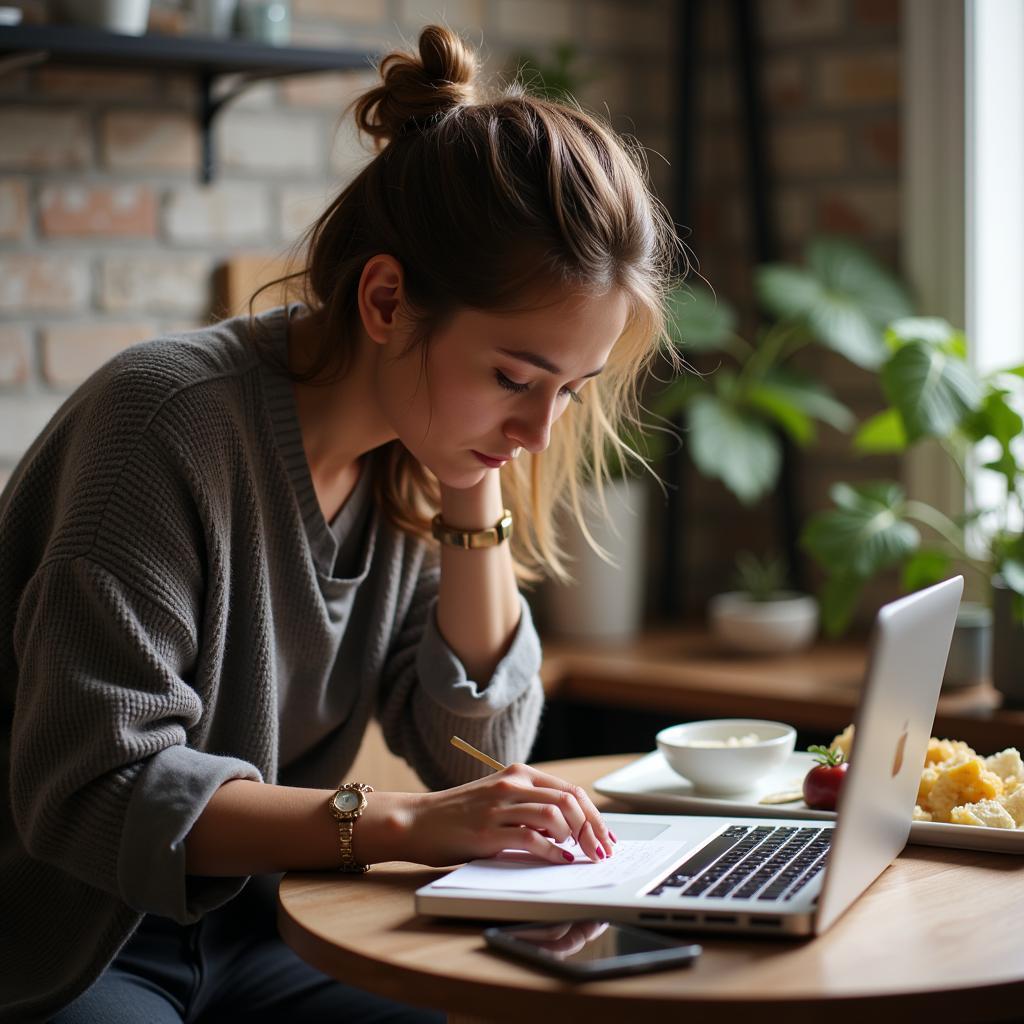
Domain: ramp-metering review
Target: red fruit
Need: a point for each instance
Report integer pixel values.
(823, 781)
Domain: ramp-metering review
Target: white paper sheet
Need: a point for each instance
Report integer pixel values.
(516, 871)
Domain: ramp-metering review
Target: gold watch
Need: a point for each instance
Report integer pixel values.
(489, 537)
(347, 804)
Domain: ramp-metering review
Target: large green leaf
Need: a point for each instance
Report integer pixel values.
(740, 450)
(789, 293)
(865, 533)
(809, 397)
(844, 268)
(932, 330)
(837, 601)
(775, 405)
(698, 321)
(1012, 571)
(882, 434)
(859, 298)
(933, 390)
(925, 567)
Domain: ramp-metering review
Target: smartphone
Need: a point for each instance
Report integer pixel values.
(591, 949)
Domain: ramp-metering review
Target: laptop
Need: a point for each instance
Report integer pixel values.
(769, 875)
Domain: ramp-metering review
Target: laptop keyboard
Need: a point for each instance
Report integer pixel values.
(764, 862)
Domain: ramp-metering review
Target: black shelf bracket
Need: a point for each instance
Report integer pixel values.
(207, 59)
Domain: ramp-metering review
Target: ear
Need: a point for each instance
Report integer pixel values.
(381, 294)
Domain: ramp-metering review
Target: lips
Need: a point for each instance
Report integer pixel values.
(492, 461)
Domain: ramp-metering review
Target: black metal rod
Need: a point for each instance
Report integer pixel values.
(687, 26)
(748, 58)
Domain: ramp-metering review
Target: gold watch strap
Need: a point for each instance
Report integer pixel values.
(489, 537)
(346, 828)
(349, 864)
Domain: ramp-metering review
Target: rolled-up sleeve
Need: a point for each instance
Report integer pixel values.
(428, 697)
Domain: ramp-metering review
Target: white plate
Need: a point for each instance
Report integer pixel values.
(649, 784)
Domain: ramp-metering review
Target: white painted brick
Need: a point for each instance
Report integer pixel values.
(158, 283)
(31, 282)
(300, 207)
(255, 96)
(37, 138)
(534, 21)
(71, 352)
(22, 418)
(349, 153)
(227, 212)
(464, 16)
(274, 143)
(15, 355)
(332, 91)
(13, 209)
(150, 140)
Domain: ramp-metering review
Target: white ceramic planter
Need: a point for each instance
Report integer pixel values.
(606, 602)
(786, 623)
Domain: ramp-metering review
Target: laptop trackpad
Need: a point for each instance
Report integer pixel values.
(639, 829)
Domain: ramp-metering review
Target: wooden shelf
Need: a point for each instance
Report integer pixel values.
(206, 58)
(689, 674)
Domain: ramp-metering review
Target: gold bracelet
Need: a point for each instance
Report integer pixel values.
(489, 537)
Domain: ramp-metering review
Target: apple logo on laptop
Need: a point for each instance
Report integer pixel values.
(897, 761)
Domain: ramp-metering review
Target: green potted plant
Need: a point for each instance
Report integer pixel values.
(933, 393)
(761, 616)
(841, 299)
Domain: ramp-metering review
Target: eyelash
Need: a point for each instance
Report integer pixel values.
(516, 388)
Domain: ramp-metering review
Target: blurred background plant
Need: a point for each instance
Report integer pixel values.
(762, 578)
(734, 417)
(556, 75)
(932, 393)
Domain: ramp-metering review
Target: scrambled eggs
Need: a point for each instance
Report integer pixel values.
(959, 786)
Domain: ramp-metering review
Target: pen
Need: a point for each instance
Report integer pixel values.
(468, 748)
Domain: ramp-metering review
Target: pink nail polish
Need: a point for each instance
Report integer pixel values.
(568, 856)
(612, 834)
(600, 853)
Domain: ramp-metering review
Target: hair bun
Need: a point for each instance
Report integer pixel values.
(416, 88)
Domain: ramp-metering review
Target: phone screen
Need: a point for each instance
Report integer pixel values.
(586, 945)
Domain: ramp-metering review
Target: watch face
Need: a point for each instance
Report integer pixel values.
(346, 801)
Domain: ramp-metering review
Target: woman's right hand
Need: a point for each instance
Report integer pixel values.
(519, 807)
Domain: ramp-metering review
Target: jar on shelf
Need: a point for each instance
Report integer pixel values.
(265, 21)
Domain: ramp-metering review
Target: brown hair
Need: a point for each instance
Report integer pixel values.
(486, 202)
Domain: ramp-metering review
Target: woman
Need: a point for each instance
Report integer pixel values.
(231, 548)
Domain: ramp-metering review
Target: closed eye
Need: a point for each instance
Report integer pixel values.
(518, 388)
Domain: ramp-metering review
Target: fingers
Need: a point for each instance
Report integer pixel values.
(577, 809)
(592, 835)
(527, 839)
(547, 819)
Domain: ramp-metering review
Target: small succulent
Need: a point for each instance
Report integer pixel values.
(762, 578)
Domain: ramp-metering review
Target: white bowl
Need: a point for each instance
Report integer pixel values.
(726, 769)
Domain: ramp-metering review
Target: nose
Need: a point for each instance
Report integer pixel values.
(533, 431)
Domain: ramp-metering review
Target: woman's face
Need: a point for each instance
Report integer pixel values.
(496, 382)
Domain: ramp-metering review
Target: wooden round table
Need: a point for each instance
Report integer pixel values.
(941, 932)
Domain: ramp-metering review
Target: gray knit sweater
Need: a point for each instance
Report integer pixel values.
(170, 619)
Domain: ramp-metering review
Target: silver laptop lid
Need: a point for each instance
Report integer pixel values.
(893, 722)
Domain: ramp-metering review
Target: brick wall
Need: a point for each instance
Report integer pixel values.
(107, 237)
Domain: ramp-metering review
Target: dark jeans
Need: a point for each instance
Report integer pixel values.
(230, 966)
